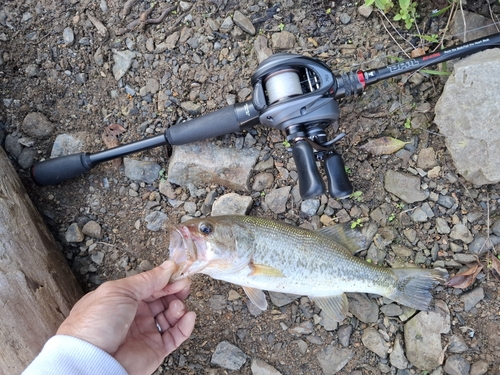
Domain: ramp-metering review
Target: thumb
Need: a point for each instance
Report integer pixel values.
(145, 284)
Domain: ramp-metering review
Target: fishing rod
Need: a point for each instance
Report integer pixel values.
(293, 93)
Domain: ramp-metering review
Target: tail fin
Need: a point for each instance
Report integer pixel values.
(414, 286)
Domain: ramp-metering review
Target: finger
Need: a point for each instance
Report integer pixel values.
(179, 333)
(169, 318)
(145, 284)
(184, 293)
(182, 286)
(162, 322)
(161, 304)
(176, 310)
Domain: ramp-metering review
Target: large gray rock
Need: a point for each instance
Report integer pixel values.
(422, 336)
(141, 170)
(404, 186)
(467, 114)
(475, 25)
(206, 163)
(228, 356)
(243, 23)
(123, 61)
(259, 367)
(372, 340)
(333, 359)
(231, 204)
(36, 125)
(67, 144)
(363, 308)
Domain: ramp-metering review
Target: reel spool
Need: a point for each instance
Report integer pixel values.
(282, 84)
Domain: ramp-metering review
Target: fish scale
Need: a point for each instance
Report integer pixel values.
(260, 254)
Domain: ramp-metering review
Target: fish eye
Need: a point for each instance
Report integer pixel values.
(206, 228)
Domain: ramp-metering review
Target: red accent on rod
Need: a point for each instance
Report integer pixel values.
(361, 78)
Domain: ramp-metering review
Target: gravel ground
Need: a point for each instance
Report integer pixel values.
(70, 70)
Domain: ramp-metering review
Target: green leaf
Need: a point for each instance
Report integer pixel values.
(404, 4)
(435, 72)
(383, 146)
(357, 195)
(396, 58)
(437, 13)
(429, 38)
(397, 17)
(384, 5)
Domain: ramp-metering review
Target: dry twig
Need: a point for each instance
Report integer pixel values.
(144, 20)
(101, 29)
(452, 12)
(127, 8)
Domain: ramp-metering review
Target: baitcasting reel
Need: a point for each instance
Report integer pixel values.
(292, 93)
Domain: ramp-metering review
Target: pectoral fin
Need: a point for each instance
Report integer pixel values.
(257, 297)
(263, 270)
(333, 306)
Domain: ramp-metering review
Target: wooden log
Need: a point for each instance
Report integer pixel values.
(37, 287)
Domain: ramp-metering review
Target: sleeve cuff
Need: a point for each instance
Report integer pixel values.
(64, 355)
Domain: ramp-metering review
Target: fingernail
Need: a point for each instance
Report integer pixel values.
(168, 264)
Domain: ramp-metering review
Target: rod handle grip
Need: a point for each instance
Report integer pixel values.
(56, 170)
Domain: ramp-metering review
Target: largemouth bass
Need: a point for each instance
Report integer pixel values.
(260, 254)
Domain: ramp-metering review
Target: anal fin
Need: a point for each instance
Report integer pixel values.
(335, 307)
(257, 297)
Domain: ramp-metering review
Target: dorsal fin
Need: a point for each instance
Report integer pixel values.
(351, 239)
(335, 307)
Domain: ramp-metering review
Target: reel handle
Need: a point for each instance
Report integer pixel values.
(339, 185)
(311, 184)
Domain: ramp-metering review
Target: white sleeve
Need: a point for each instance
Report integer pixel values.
(63, 355)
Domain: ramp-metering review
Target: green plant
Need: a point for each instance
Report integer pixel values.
(435, 72)
(357, 195)
(163, 174)
(407, 124)
(347, 170)
(407, 12)
(383, 5)
(392, 217)
(281, 26)
(429, 38)
(356, 223)
(400, 205)
(286, 143)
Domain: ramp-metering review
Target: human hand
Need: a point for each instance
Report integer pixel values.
(121, 318)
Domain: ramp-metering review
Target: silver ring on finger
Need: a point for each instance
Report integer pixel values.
(158, 326)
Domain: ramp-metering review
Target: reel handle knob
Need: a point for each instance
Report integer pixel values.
(310, 182)
(339, 185)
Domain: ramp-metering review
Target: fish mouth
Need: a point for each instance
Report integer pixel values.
(187, 251)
